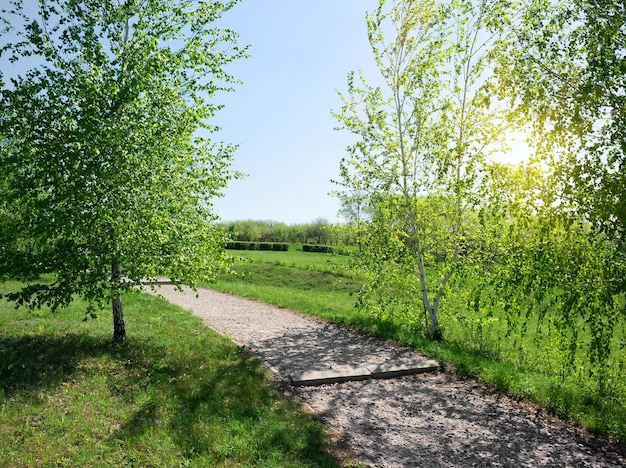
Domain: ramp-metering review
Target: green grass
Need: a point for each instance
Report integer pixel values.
(175, 394)
(316, 284)
(296, 258)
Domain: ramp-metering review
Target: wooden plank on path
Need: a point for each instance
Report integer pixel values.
(387, 370)
(330, 376)
(390, 370)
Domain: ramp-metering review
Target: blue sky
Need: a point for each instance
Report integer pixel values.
(301, 52)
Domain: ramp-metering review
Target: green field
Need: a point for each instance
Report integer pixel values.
(476, 345)
(315, 283)
(175, 394)
(296, 258)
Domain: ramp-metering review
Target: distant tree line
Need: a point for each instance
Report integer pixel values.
(318, 232)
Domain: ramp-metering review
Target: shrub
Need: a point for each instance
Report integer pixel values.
(317, 248)
(240, 245)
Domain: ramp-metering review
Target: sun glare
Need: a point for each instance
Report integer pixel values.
(517, 149)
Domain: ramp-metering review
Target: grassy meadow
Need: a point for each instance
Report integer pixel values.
(476, 345)
(315, 283)
(175, 394)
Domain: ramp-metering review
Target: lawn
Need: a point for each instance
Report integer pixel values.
(175, 394)
(296, 258)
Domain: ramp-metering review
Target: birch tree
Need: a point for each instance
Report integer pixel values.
(107, 155)
(424, 127)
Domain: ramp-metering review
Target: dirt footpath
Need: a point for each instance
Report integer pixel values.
(429, 420)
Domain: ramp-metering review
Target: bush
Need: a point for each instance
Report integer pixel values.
(317, 248)
(240, 245)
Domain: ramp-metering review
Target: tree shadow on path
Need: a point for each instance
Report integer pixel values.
(327, 347)
(427, 420)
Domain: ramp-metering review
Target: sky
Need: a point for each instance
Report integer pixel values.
(301, 53)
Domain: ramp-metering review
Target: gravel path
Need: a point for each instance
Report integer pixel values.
(430, 420)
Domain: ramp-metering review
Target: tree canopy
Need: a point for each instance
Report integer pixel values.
(534, 252)
(563, 69)
(107, 164)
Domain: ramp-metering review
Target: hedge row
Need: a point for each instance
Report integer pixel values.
(276, 246)
(257, 246)
(317, 248)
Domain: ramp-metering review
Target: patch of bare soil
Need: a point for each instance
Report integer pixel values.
(434, 419)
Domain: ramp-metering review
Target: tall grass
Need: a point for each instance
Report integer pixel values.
(477, 345)
(175, 394)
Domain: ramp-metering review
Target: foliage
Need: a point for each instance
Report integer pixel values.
(538, 251)
(424, 134)
(318, 231)
(535, 254)
(317, 248)
(177, 395)
(549, 277)
(256, 246)
(561, 68)
(107, 168)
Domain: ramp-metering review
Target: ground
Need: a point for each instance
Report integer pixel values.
(432, 419)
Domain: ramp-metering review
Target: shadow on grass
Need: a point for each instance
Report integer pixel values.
(220, 409)
(30, 363)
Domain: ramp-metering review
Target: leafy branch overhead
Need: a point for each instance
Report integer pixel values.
(107, 153)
